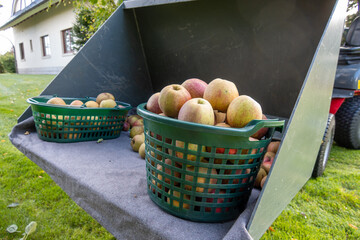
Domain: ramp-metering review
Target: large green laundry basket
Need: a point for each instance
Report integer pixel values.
(60, 123)
(200, 172)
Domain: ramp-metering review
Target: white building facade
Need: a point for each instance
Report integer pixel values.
(42, 35)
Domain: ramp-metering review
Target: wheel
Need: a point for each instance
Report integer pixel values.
(348, 124)
(325, 147)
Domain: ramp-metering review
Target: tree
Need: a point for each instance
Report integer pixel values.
(352, 5)
(7, 62)
(89, 17)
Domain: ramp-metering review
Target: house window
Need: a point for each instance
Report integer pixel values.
(45, 44)
(31, 47)
(22, 52)
(67, 41)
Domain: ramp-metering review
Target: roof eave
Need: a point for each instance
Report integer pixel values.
(27, 13)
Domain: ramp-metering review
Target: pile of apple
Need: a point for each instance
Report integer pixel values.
(217, 103)
(268, 160)
(135, 124)
(103, 100)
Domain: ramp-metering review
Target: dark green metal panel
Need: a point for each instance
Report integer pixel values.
(297, 154)
(265, 48)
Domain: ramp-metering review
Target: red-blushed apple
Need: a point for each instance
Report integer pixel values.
(219, 200)
(139, 122)
(220, 93)
(259, 134)
(197, 110)
(202, 180)
(268, 161)
(172, 98)
(242, 110)
(273, 146)
(195, 87)
(126, 126)
(132, 119)
(152, 104)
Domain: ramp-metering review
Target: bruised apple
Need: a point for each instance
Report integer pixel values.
(195, 87)
(242, 110)
(172, 98)
(220, 93)
(197, 110)
(152, 104)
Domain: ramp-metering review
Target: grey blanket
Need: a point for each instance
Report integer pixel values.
(108, 180)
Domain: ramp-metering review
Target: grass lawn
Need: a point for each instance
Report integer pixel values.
(326, 208)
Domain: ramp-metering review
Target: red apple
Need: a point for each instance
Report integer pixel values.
(172, 98)
(126, 126)
(195, 86)
(197, 110)
(139, 122)
(220, 93)
(268, 161)
(152, 104)
(273, 146)
(259, 134)
(242, 110)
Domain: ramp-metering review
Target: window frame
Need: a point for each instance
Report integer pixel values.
(64, 42)
(22, 51)
(46, 51)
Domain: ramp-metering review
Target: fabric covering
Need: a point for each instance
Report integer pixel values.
(108, 180)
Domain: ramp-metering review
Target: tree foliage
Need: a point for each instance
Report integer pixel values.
(352, 5)
(7, 63)
(90, 16)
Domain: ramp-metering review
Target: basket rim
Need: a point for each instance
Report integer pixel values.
(251, 128)
(34, 101)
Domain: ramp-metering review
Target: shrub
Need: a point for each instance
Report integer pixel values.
(7, 62)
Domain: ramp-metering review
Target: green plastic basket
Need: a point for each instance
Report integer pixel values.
(60, 123)
(199, 172)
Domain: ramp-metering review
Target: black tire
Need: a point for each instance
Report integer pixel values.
(348, 124)
(325, 147)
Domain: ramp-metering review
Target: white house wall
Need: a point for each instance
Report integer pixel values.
(50, 23)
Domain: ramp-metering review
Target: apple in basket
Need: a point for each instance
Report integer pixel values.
(172, 98)
(259, 134)
(152, 104)
(197, 110)
(242, 110)
(220, 93)
(196, 87)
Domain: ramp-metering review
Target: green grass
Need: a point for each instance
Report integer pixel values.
(23, 182)
(326, 208)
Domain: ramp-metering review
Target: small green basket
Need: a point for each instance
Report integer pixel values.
(199, 172)
(60, 123)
